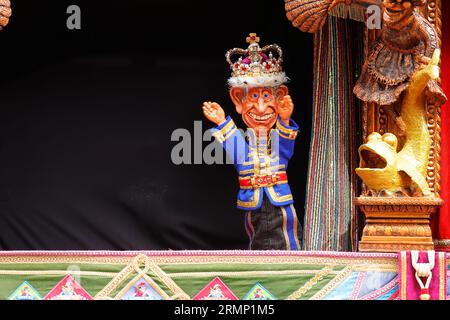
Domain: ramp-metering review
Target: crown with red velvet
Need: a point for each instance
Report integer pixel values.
(256, 66)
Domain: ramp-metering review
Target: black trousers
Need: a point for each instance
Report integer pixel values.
(273, 228)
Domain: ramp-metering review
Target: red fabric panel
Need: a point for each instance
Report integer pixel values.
(442, 221)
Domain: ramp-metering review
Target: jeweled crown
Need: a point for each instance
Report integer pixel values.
(256, 66)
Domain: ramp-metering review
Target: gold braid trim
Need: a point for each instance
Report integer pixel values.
(65, 259)
(227, 127)
(203, 259)
(252, 203)
(278, 198)
(268, 260)
(58, 273)
(180, 297)
(230, 133)
(114, 283)
(178, 292)
(247, 171)
(244, 273)
(333, 284)
(311, 283)
(284, 130)
(224, 133)
(292, 136)
(375, 268)
(136, 266)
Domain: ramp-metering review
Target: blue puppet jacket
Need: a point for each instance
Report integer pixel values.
(257, 157)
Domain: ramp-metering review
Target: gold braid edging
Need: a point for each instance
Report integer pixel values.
(264, 260)
(114, 283)
(176, 290)
(438, 110)
(244, 273)
(333, 284)
(433, 13)
(58, 273)
(135, 266)
(311, 283)
(375, 268)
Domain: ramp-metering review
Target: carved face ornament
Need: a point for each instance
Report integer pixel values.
(396, 11)
(378, 163)
(384, 169)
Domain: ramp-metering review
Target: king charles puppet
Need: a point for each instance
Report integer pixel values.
(262, 152)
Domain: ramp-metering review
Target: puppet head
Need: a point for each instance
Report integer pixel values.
(257, 83)
(397, 11)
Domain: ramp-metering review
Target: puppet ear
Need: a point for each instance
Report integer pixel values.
(282, 91)
(237, 96)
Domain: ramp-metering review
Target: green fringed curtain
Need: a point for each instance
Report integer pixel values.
(330, 216)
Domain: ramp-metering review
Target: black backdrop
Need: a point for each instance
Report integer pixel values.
(86, 119)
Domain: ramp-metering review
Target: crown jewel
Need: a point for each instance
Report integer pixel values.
(256, 66)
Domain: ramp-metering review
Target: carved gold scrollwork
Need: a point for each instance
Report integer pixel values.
(433, 166)
(382, 121)
(432, 11)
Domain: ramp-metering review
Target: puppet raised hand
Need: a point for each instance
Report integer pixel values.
(214, 112)
(285, 109)
(5, 13)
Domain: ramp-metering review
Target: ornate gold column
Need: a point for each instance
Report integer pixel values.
(397, 224)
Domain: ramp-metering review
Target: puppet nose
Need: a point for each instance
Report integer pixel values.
(261, 106)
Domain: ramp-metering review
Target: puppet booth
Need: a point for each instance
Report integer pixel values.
(376, 218)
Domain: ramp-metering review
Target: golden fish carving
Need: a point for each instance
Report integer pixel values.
(382, 168)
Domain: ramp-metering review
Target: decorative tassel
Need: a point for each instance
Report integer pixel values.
(353, 12)
(425, 294)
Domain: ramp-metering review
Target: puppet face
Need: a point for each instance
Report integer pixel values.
(258, 106)
(397, 10)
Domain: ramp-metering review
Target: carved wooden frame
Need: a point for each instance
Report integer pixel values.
(397, 224)
(375, 119)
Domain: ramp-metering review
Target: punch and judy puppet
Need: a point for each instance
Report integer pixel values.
(261, 154)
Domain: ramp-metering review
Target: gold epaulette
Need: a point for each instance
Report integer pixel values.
(286, 132)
